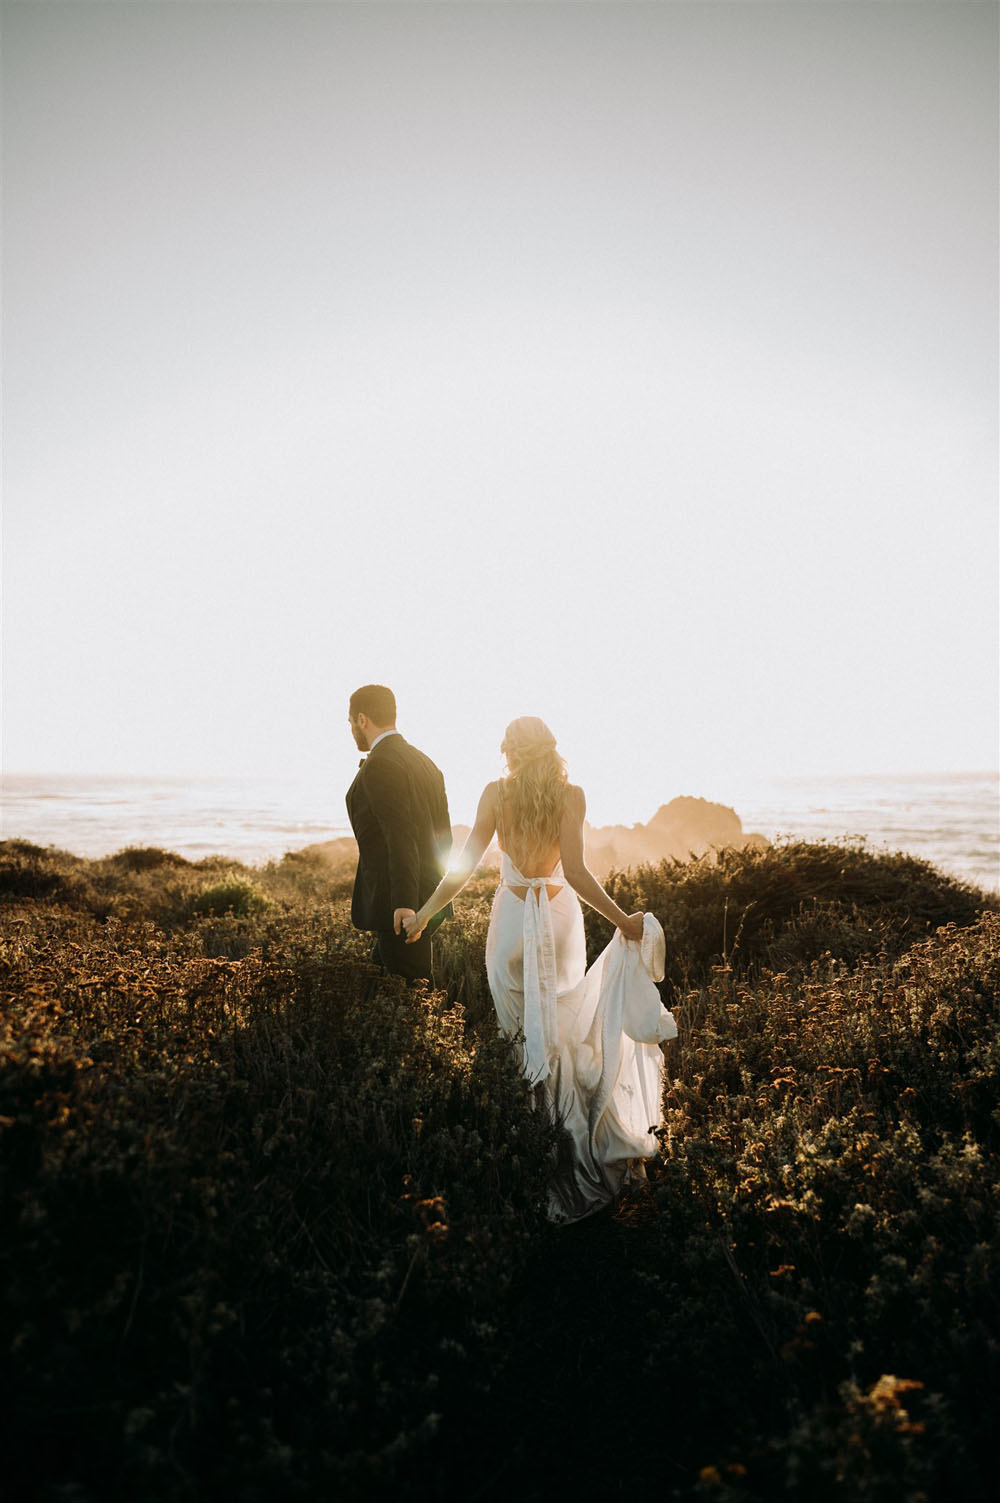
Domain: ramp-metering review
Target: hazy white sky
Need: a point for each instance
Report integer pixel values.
(630, 365)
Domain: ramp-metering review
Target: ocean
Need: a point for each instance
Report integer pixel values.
(950, 819)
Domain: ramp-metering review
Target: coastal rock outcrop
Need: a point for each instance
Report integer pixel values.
(685, 828)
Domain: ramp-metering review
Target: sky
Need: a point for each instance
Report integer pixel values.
(631, 365)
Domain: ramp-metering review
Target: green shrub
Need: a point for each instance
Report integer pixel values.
(234, 895)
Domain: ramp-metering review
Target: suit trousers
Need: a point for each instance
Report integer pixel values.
(394, 955)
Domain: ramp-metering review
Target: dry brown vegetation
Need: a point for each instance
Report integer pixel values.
(271, 1224)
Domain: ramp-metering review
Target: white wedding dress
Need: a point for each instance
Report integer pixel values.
(591, 1038)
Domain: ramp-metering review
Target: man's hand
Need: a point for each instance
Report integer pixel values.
(398, 916)
(414, 928)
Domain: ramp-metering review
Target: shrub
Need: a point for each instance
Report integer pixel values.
(256, 1193)
(789, 904)
(28, 871)
(145, 858)
(234, 895)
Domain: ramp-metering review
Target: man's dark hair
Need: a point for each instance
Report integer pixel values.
(375, 701)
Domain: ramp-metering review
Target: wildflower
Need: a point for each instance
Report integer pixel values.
(884, 1395)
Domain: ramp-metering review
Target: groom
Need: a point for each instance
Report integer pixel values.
(399, 814)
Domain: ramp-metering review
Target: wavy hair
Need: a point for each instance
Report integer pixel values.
(534, 788)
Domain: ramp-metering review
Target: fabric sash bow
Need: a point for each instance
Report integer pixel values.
(541, 1027)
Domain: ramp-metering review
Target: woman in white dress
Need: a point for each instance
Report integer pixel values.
(590, 1039)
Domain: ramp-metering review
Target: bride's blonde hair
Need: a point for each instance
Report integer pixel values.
(534, 789)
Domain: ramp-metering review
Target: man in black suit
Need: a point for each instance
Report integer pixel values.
(399, 814)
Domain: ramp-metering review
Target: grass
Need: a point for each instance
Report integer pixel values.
(271, 1224)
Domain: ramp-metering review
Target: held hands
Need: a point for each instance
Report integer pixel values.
(400, 918)
(632, 927)
(406, 919)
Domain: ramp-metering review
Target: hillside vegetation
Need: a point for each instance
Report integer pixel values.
(271, 1225)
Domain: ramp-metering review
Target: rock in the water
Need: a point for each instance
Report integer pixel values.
(685, 828)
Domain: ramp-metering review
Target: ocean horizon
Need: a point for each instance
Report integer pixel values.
(949, 819)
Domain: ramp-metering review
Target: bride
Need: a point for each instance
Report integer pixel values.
(590, 1038)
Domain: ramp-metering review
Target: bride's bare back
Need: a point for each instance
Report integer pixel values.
(532, 862)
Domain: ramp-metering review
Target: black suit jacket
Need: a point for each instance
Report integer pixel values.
(399, 814)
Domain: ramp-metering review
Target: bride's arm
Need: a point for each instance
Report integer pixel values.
(578, 874)
(452, 882)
